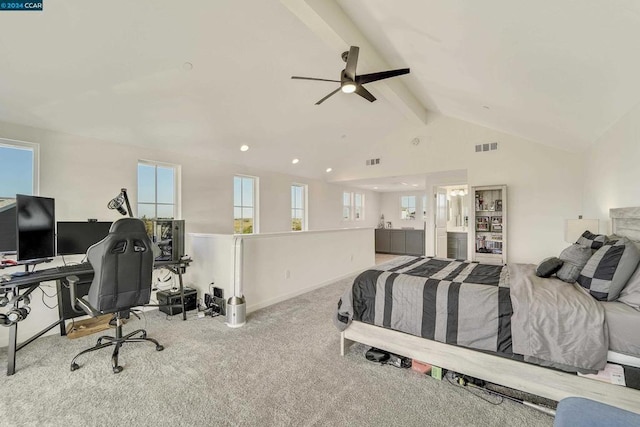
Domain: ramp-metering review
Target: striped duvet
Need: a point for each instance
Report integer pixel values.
(472, 305)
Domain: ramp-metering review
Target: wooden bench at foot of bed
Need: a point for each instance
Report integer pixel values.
(538, 380)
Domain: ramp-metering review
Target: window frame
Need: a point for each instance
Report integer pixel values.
(352, 206)
(177, 187)
(254, 199)
(408, 207)
(35, 149)
(304, 218)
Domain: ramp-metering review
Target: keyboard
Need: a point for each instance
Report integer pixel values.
(72, 268)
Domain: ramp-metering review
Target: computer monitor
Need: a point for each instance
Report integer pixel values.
(75, 237)
(36, 225)
(7, 225)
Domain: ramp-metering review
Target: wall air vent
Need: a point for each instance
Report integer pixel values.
(372, 162)
(492, 146)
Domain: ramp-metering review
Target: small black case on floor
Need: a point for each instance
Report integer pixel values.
(377, 355)
(387, 358)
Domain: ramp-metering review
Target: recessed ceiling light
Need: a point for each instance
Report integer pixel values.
(414, 185)
(187, 66)
(294, 161)
(244, 147)
(415, 141)
(329, 170)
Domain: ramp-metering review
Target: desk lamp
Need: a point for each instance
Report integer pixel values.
(118, 201)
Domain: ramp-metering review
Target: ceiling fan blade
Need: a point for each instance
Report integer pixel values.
(360, 90)
(325, 98)
(313, 78)
(368, 78)
(352, 61)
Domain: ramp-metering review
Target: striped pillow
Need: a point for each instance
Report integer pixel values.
(609, 269)
(590, 240)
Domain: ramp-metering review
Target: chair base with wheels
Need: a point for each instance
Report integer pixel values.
(117, 341)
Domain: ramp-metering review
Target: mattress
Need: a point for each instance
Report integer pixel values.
(623, 322)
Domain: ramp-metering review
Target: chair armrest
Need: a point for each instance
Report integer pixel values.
(78, 301)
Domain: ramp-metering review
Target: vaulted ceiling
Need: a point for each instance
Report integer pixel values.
(208, 76)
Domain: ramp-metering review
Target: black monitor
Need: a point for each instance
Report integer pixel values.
(76, 237)
(7, 226)
(36, 225)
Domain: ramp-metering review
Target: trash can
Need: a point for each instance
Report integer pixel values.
(236, 311)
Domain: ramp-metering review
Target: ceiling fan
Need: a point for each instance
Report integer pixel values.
(350, 82)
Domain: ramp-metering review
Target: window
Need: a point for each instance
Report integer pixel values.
(298, 207)
(158, 190)
(244, 204)
(18, 168)
(358, 206)
(408, 207)
(352, 206)
(346, 206)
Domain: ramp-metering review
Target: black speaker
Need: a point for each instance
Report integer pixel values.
(169, 301)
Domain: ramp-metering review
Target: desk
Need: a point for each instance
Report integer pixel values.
(22, 286)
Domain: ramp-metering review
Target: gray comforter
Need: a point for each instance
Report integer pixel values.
(555, 323)
(503, 309)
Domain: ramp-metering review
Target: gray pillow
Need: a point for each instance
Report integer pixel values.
(548, 266)
(590, 240)
(609, 269)
(630, 294)
(574, 259)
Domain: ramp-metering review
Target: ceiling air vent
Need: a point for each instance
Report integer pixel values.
(486, 147)
(372, 162)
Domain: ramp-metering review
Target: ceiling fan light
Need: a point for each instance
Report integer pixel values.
(348, 87)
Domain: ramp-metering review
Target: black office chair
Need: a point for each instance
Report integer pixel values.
(123, 266)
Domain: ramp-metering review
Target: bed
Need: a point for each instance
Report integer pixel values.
(502, 324)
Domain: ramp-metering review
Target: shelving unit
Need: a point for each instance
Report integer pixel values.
(490, 224)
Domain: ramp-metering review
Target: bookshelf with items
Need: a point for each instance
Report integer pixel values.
(490, 224)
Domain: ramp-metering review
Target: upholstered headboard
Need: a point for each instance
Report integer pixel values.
(626, 222)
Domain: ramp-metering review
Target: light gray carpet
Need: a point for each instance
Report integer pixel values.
(282, 368)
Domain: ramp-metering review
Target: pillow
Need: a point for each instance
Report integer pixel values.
(548, 266)
(574, 258)
(609, 269)
(630, 294)
(590, 240)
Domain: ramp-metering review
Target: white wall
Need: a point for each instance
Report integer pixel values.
(278, 266)
(612, 172)
(544, 184)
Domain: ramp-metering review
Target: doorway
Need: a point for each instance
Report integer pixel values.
(451, 221)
